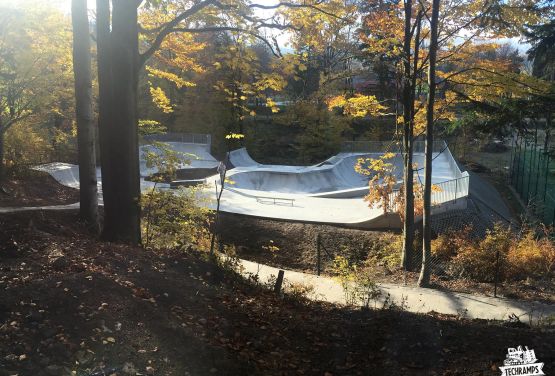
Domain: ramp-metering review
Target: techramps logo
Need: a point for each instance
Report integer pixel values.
(521, 362)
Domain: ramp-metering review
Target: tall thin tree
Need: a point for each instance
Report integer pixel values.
(424, 279)
(408, 224)
(88, 192)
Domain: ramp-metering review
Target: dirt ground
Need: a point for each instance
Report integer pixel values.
(297, 243)
(36, 188)
(71, 303)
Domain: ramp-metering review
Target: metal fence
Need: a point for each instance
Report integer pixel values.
(532, 175)
(389, 146)
(189, 138)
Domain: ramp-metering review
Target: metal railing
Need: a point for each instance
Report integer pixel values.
(443, 192)
(189, 138)
(389, 146)
(275, 200)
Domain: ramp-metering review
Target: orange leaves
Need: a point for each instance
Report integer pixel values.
(383, 180)
(385, 31)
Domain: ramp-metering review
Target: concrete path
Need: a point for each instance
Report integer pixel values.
(412, 299)
(5, 210)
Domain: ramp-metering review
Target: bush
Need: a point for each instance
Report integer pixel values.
(527, 256)
(531, 257)
(358, 286)
(386, 251)
(447, 245)
(25, 146)
(477, 260)
(174, 219)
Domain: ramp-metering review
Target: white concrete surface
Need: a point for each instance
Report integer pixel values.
(412, 299)
(328, 192)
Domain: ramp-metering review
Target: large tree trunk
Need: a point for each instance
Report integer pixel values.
(118, 80)
(88, 191)
(2, 165)
(408, 224)
(424, 279)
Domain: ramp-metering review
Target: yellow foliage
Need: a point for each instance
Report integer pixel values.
(531, 257)
(178, 81)
(358, 105)
(160, 99)
(234, 136)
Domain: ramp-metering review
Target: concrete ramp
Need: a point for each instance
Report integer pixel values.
(331, 191)
(193, 156)
(241, 158)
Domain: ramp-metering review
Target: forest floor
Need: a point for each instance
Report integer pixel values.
(69, 302)
(35, 188)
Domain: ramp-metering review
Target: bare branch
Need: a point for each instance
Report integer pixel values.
(216, 29)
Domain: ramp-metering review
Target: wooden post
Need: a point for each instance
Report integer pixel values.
(318, 254)
(279, 282)
(496, 274)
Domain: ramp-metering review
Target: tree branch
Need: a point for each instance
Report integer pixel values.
(167, 29)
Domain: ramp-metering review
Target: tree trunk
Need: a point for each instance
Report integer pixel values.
(88, 191)
(2, 165)
(118, 57)
(424, 279)
(408, 224)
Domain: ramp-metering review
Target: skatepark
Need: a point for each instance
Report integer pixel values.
(328, 192)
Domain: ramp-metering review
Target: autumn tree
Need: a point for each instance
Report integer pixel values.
(120, 62)
(401, 32)
(32, 42)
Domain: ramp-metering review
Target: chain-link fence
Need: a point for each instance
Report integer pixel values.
(532, 175)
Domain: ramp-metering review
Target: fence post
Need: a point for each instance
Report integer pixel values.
(318, 254)
(496, 274)
(279, 282)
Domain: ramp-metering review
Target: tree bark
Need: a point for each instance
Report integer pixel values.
(2, 165)
(424, 279)
(118, 58)
(408, 224)
(88, 190)
(123, 135)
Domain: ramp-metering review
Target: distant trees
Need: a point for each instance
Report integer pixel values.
(34, 74)
(542, 53)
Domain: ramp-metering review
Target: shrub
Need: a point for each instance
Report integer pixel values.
(386, 251)
(174, 219)
(447, 245)
(359, 288)
(478, 260)
(25, 146)
(531, 257)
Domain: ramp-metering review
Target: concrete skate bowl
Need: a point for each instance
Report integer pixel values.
(332, 191)
(192, 149)
(334, 178)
